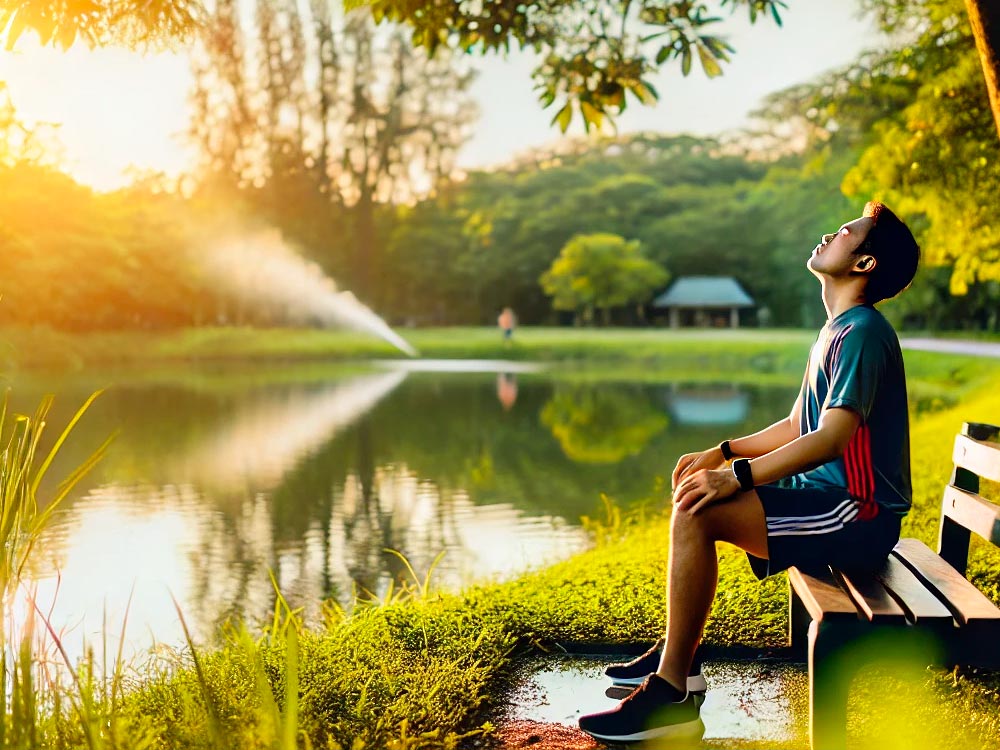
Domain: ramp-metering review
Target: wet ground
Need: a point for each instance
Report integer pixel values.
(750, 704)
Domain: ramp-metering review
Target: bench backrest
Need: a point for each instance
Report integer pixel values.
(964, 509)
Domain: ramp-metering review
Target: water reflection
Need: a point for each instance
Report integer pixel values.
(506, 389)
(598, 425)
(211, 484)
(269, 435)
(707, 405)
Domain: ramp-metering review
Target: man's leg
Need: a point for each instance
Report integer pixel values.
(693, 572)
(662, 706)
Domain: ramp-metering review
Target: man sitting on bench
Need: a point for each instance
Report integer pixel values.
(829, 485)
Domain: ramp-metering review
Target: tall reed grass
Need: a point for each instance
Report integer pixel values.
(29, 691)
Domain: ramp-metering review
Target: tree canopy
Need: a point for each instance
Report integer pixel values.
(595, 54)
(601, 271)
(100, 22)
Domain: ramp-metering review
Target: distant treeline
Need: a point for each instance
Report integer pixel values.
(909, 125)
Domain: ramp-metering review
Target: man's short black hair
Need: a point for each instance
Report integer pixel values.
(895, 251)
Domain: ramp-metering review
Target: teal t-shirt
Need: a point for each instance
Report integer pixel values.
(856, 364)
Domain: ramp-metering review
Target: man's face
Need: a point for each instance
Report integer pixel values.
(835, 254)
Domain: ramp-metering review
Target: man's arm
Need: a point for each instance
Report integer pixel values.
(827, 442)
(771, 438)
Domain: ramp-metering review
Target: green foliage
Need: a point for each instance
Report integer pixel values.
(594, 54)
(22, 470)
(24, 693)
(100, 22)
(916, 121)
(938, 160)
(136, 259)
(483, 244)
(601, 271)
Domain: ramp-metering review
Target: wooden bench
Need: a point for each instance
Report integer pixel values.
(918, 597)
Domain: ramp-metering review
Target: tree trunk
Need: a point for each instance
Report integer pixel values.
(326, 84)
(984, 16)
(366, 248)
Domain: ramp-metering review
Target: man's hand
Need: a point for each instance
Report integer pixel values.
(692, 462)
(703, 487)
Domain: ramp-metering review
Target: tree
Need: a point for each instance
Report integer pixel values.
(984, 17)
(324, 132)
(100, 22)
(594, 52)
(600, 271)
(20, 142)
(937, 159)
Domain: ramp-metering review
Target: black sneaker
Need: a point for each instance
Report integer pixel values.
(635, 671)
(654, 709)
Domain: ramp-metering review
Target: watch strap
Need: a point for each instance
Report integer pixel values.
(727, 451)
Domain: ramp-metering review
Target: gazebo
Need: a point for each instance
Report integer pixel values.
(704, 301)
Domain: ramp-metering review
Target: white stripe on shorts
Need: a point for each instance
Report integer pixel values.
(825, 527)
(782, 521)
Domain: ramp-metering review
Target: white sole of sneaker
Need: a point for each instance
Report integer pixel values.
(688, 729)
(695, 683)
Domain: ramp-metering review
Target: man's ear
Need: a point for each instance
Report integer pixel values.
(866, 264)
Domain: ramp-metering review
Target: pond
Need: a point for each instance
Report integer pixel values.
(218, 477)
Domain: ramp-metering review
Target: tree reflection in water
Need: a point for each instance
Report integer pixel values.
(597, 425)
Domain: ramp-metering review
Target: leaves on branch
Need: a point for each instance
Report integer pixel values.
(593, 51)
(133, 23)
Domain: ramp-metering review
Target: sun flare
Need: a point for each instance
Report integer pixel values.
(112, 111)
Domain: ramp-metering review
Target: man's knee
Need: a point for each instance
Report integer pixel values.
(722, 522)
(685, 524)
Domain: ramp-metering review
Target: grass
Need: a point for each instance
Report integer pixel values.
(47, 349)
(24, 702)
(422, 668)
(749, 355)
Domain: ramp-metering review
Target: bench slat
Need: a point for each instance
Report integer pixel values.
(822, 596)
(872, 600)
(979, 457)
(922, 607)
(967, 603)
(973, 512)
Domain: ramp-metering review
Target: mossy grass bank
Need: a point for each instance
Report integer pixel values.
(421, 668)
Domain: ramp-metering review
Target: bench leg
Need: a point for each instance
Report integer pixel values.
(830, 673)
(798, 626)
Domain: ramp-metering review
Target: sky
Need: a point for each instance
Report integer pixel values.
(117, 109)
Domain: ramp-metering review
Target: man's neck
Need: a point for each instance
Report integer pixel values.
(838, 297)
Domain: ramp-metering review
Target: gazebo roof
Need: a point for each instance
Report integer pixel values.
(704, 291)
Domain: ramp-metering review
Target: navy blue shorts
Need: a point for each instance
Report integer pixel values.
(812, 527)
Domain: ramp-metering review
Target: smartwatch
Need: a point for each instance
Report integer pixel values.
(727, 451)
(743, 474)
